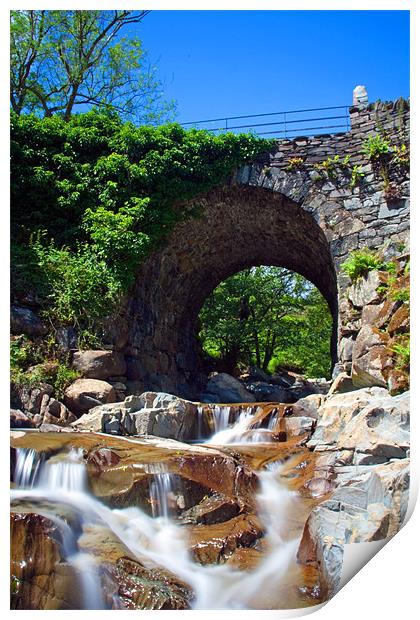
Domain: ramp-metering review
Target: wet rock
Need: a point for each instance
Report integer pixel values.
(84, 394)
(126, 582)
(99, 364)
(25, 321)
(223, 388)
(40, 577)
(214, 509)
(364, 290)
(216, 543)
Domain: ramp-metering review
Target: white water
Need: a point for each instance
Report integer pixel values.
(240, 431)
(164, 542)
(221, 417)
(26, 468)
(162, 494)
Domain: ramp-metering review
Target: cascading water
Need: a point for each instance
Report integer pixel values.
(27, 467)
(241, 431)
(161, 491)
(164, 543)
(67, 474)
(221, 415)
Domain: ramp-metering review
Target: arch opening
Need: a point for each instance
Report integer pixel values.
(269, 318)
(239, 227)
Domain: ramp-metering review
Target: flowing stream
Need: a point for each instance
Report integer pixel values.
(159, 538)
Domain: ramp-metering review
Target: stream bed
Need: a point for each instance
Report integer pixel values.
(110, 522)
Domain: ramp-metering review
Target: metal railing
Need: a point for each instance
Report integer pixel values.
(290, 123)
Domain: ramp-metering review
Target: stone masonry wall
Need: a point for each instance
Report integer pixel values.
(268, 213)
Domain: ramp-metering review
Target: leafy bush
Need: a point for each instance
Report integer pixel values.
(93, 196)
(375, 147)
(360, 262)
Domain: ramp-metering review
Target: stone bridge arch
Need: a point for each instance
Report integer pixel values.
(272, 213)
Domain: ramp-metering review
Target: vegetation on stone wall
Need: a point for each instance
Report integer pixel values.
(93, 196)
(268, 317)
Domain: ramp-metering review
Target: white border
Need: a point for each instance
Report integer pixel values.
(387, 586)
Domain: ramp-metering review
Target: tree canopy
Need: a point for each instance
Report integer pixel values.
(268, 317)
(67, 61)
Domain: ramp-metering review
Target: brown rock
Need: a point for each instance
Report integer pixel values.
(84, 394)
(40, 579)
(400, 320)
(99, 364)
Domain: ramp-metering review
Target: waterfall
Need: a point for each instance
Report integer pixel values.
(221, 417)
(90, 583)
(161, 491)
(66, 475)
(27, 468)
(165, 543)
(241, 432)
(274, 416)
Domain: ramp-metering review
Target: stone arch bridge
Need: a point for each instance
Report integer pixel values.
(280, 210)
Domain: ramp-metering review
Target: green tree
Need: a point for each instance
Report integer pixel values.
(64, 61)
(267, 316)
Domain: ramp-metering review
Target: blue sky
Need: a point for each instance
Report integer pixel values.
(227, 63)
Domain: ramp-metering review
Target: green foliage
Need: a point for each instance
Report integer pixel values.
(360, 262)
(295, 163)
(267, 316)
(402, 294)
(333, 165)
(356, 175)
(375, 147)
(401, 155)
(27, 367)
(402, 350)
(93, 196)
(81, 286)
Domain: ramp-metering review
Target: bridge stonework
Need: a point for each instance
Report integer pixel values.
(280, 210)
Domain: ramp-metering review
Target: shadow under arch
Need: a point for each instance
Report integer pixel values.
(238, 227)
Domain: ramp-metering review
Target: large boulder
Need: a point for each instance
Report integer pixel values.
(307, 407)
(370, 423)
(25, 321)
(371, 358)
(222, 388)
(99, 364)
(267, 392)
(151, 413)
(368, 505)
(84, 394)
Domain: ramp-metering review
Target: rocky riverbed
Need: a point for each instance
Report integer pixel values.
(232, 506)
